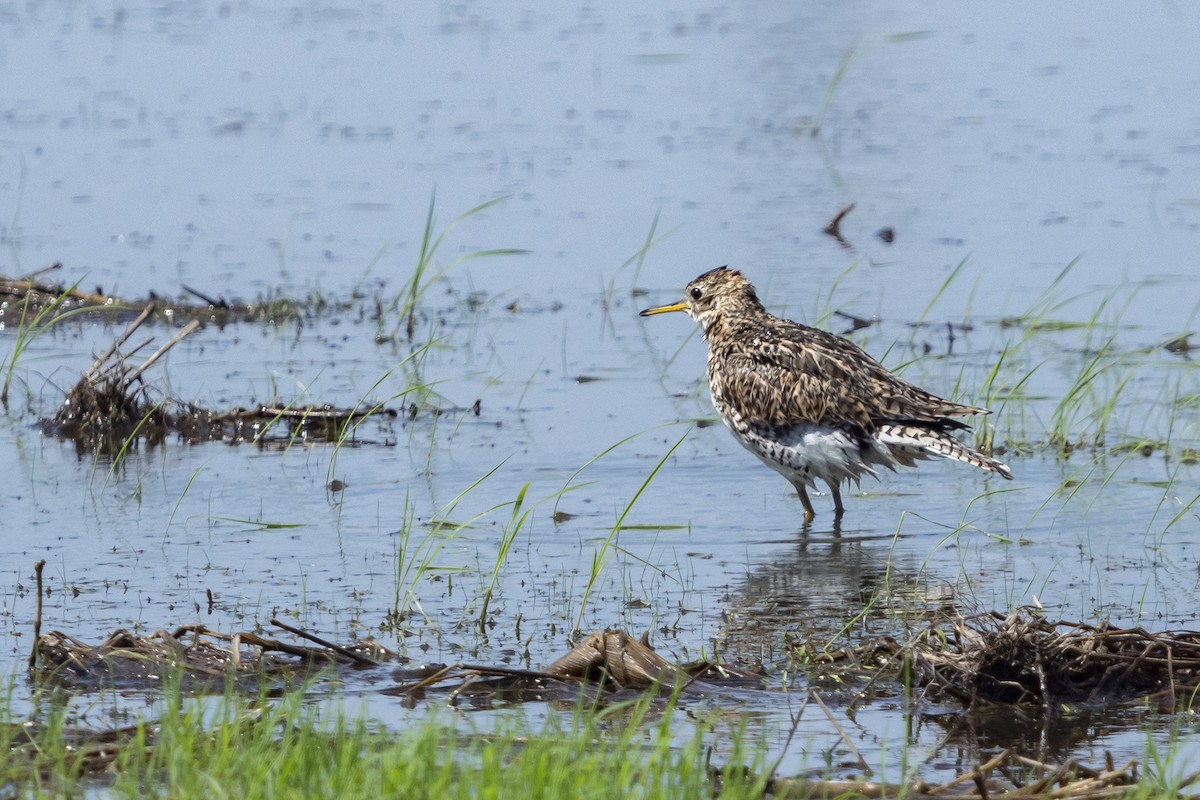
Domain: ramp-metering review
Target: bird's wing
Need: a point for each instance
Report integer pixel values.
(821, 378)
(773, 387)
(887, 396)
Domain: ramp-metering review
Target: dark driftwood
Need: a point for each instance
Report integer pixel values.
(349, 653)
(204, 662)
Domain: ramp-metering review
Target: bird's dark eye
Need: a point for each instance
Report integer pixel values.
(696, 293)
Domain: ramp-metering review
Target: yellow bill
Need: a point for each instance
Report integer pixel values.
(649, 312)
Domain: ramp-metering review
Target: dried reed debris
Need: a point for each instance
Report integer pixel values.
(1023, 659)
(203, 660)
(1008, 775)
(110, 401)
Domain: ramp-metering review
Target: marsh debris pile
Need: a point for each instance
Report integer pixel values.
(33, 295)
(111, 403)
(27, 297)
(610, 661)
(272, 424)
(1023, 659)
(94, 751)
(1008, 774)
(204, 660)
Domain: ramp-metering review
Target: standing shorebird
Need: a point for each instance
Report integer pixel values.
(811, 404)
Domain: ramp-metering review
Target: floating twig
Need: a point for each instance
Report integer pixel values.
(37, 617)
(186, 331)
(834, 228)
(337, 648)
(120, 340)
(29, 276)
(219, 303)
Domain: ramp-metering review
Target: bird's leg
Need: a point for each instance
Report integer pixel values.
(837, 528)
(836, 491)
(802, 493)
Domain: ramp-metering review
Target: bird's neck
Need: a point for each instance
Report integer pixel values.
(714, 326)
(723, 325)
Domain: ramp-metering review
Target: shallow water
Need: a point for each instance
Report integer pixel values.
(245, 150)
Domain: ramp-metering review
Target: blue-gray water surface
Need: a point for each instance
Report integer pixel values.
(247, 150)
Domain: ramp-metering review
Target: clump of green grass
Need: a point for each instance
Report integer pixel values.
(638, 259)
(254, 748)
(32, 323)
(517, 521)
(1065, 381)
(427, 271)
(416, 553)
(601, 554)
(831, 87)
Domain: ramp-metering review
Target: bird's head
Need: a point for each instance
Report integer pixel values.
(721, 292)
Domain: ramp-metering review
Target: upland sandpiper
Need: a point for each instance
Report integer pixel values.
(811, 404)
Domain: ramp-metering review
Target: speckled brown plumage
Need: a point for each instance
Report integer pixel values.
(811, 404)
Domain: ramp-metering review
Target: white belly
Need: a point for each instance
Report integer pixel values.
(804, 453)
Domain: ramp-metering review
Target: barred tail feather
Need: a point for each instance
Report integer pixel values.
(911, 442)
